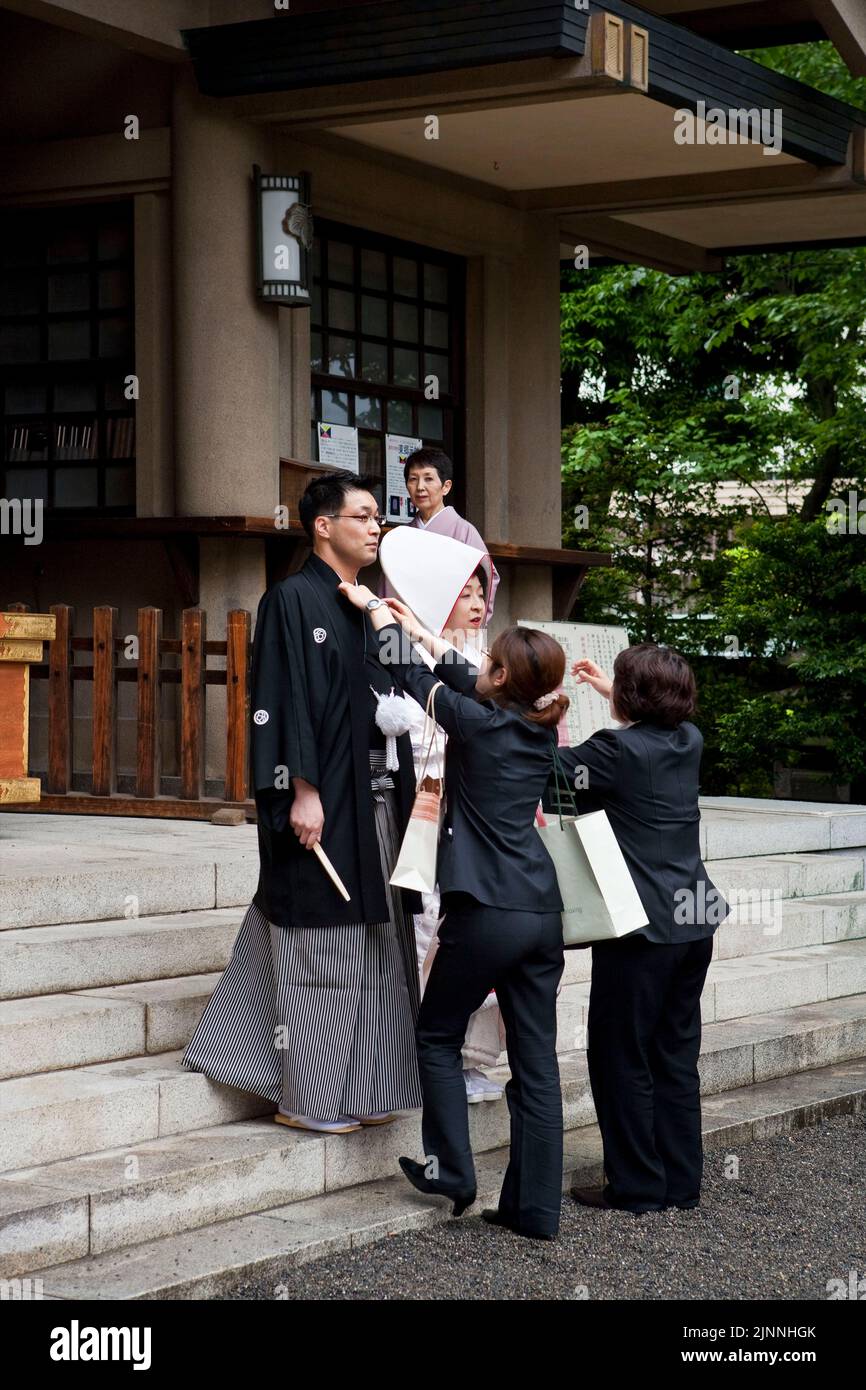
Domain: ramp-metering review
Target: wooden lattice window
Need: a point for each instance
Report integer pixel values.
(386, 317)
(66, 351)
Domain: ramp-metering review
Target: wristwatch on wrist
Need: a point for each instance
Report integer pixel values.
(373, 603)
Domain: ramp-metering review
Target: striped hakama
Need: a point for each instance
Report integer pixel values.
(321, 1020)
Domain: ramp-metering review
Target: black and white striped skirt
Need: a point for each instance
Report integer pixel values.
(320, 1020)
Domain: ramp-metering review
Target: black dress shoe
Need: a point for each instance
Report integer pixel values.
(495, 1217)
(592, 1197)
(415, 1173)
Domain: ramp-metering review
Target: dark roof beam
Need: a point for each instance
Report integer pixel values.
(844, 23)
(604, 236)
(525, 82)
(153, 28)
(725, 188)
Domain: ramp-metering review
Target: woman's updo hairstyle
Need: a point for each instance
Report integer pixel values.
(536, 666)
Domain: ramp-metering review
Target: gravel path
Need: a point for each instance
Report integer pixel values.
(792, 1220)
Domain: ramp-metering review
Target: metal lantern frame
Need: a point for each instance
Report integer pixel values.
(277, 290)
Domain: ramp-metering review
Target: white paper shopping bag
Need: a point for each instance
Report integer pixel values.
(599, 898)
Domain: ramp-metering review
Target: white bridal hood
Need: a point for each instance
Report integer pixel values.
(429, 571)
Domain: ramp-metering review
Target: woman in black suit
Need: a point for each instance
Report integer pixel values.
(644, 1027)
(503, 922)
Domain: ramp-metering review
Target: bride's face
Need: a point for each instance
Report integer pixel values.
(467, 615)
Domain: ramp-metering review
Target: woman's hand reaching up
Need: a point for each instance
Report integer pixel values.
(587, 673)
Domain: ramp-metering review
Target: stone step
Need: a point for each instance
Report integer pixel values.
(104, 890)
(790, 875)
(735, 827)
(61, 1114)
(740, 986)
(69, 869)
(89, 955)
(53, 1032)
(45, 1224)
(80, 1124)
(763, 927)
(783, 979)
(92, 955)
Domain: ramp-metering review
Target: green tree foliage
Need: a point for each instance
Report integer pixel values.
(675, 388)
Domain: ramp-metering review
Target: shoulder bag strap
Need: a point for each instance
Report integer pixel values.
(562, 777)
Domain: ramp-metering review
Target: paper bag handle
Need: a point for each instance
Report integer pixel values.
(429, 713)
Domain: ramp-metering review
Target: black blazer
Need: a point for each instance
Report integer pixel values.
(646, 778)
(497, 765)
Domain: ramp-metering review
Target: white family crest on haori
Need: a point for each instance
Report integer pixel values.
(428, 571)
(261, 716)
(319, 634)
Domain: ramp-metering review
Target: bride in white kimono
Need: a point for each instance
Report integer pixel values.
(431, 588)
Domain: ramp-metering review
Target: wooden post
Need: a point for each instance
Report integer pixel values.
(192, 704)
(148, 754)
(237, 704)
(21, 638)
(104, 720)
(60, 702)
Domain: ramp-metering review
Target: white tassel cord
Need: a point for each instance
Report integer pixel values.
(394, 718)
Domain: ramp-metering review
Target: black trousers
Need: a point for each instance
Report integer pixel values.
(519, 954)
(643, 1042)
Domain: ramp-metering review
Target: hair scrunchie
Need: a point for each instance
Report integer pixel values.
(544, 700)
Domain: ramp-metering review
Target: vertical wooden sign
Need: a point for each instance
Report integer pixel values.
(21, 639)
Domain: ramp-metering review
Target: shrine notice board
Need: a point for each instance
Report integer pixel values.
(588, 711)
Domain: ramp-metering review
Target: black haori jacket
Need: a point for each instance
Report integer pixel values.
(314, 661)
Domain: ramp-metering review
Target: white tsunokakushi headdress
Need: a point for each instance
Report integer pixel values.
(429, 572)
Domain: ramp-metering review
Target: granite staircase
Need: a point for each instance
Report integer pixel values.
(124, 1176)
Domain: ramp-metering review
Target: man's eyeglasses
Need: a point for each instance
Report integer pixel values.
(355, 516)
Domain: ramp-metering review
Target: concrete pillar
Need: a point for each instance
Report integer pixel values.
(530, 593)
(294, 331)
(487, 395)
(514, 487)
(226, 343)
(227, 360)
(534, 458)
(154, 444)
(232, 575)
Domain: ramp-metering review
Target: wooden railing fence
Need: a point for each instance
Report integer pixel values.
(112, 665)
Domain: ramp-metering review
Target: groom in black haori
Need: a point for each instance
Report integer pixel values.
(316, 1009)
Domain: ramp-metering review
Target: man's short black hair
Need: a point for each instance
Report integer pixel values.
(430, 458)
(325, 496)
